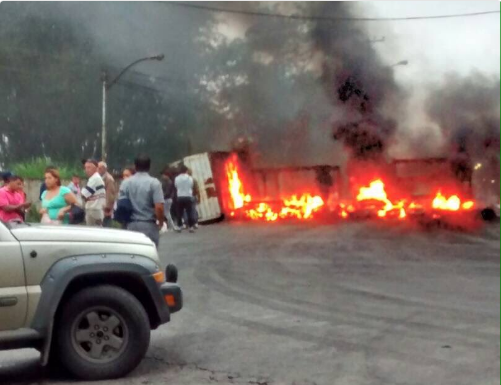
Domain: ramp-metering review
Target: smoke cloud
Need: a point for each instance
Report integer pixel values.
(467, 111)
(284, 87)
(312, 76)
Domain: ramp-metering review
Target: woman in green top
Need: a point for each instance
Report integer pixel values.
(56, 200)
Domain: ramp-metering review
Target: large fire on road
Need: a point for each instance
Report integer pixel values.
(400, 209)
(371, 199)
(302, 206)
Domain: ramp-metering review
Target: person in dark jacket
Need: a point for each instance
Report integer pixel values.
(43, 187)
(169, 191)
(195, 199)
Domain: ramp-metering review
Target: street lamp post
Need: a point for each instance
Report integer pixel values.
(106, 87)
(103, 127)
(400, 63)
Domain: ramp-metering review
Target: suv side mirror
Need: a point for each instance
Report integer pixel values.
(171, 273)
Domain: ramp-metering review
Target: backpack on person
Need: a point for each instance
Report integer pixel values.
(77, 215)
(123, 212)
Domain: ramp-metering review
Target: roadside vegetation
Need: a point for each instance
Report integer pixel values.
(35, 169)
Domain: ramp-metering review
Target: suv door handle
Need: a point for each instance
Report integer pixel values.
(8, 301)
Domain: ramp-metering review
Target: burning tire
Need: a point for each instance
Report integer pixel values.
(489, 215)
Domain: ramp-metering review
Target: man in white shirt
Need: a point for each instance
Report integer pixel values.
(109, 186)
(184, 188)
(94, 194)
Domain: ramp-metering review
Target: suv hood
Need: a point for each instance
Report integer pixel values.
(43, 233)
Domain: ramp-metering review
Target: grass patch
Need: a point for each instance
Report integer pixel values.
(35, 169)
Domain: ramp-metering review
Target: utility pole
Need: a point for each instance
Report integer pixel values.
(103, 128)
(106, 87)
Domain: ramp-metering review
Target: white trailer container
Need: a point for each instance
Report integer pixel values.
(205, 168)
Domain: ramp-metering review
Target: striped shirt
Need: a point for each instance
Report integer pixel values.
(94, 193)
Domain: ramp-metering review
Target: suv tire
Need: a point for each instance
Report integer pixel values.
(103, 333)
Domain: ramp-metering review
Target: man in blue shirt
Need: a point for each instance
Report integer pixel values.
(146, 198)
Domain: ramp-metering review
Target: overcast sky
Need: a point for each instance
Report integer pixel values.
(432, 47)
(435, 47)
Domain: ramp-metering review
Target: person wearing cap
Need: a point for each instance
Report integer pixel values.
(94, 194)
(109, 186)
(13, 203)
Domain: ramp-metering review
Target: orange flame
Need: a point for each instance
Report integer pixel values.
(235, 186)
(296, 208)
(262, 211)
(376, 192)
(453, 203)
(302, 207)
(414, 206)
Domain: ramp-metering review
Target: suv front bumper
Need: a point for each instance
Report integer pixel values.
(173, 296)
(167, 298)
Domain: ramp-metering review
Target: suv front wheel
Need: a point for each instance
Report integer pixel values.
(103, 333)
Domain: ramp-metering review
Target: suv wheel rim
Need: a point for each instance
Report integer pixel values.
(99, 334)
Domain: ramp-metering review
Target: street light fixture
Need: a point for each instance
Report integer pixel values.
(107, 86)
(400, 63)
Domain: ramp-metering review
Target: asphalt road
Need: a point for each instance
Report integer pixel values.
(307, 304)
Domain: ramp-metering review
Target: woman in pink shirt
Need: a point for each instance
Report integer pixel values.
(12, 200)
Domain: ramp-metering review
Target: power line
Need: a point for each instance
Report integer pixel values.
(324, 18)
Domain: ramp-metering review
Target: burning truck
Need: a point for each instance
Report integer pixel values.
(355, 96)
(424, 189)
(361, 105)
(231, 188)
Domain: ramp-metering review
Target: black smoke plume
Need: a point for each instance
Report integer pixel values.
(357, 81)
(467, 110)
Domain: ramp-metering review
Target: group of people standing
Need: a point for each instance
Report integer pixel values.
(149, 201)
(181, 195)
(97, 197)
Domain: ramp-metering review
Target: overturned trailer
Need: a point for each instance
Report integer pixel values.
(208, 170)
(422, 177)
(424, 188)
(323, 180)
(266, 185)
